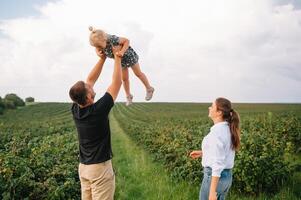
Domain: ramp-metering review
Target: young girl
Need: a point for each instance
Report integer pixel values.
(218, 150)
(103, 44)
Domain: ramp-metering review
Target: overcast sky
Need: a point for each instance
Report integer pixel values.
(195, 51)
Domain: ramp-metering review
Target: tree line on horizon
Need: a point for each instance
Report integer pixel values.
(12, 101)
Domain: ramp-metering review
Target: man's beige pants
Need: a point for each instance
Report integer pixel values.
(97, 181)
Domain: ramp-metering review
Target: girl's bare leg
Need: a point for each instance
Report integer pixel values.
(137, 71)
(149, 89)
(126, 86)
(126, 81)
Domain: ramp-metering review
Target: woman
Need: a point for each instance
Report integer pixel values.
(218, 150)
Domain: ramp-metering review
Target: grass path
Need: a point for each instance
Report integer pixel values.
(138, 177)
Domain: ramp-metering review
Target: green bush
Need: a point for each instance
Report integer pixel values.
(29, 99)
(262, 165)
(1, 103)
(2, 106)
(39, 154)
(14, 98)
(39, 147)
(9, 104)
(15, 170)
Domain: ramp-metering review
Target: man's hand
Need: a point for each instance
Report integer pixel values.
(117, 51)
(100, 53)
(120, 54)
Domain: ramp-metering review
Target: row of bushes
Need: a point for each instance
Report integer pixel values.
(39, 153)
(262, 165)
(12, 101)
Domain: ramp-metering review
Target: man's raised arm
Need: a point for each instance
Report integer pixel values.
(95, 72)
(116, 79)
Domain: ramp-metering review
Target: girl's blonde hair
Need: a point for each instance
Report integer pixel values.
(96, 36)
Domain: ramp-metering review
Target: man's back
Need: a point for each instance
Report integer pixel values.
(93, 129)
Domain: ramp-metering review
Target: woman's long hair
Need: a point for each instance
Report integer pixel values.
(232, 117)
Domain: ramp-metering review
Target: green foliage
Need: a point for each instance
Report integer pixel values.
(29, 99)
(9, 104)
(2, 106)
(171, 131)
(39, 153)
(11, 101)
(262, 164)
(1, 103)
(39, 147)
(15, 99)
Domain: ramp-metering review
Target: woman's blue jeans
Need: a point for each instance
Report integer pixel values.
(223, 186)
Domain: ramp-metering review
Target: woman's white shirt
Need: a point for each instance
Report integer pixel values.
(216, 149)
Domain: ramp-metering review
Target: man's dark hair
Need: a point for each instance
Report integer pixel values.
(78, 93)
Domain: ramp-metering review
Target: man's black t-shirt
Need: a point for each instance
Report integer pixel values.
(92, 123)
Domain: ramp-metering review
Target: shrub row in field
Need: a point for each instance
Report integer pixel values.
(38, 153)
(262, 165)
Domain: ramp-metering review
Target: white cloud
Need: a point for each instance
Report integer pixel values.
(245, 50)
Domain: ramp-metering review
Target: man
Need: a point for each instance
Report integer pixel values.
(91, 119)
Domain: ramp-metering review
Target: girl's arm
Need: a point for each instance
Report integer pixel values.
(125, 43)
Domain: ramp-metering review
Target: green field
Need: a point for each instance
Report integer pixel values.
(151, 142)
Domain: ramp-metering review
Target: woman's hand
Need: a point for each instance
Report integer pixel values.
(213, 187)
(100, 53)
(196, 154)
